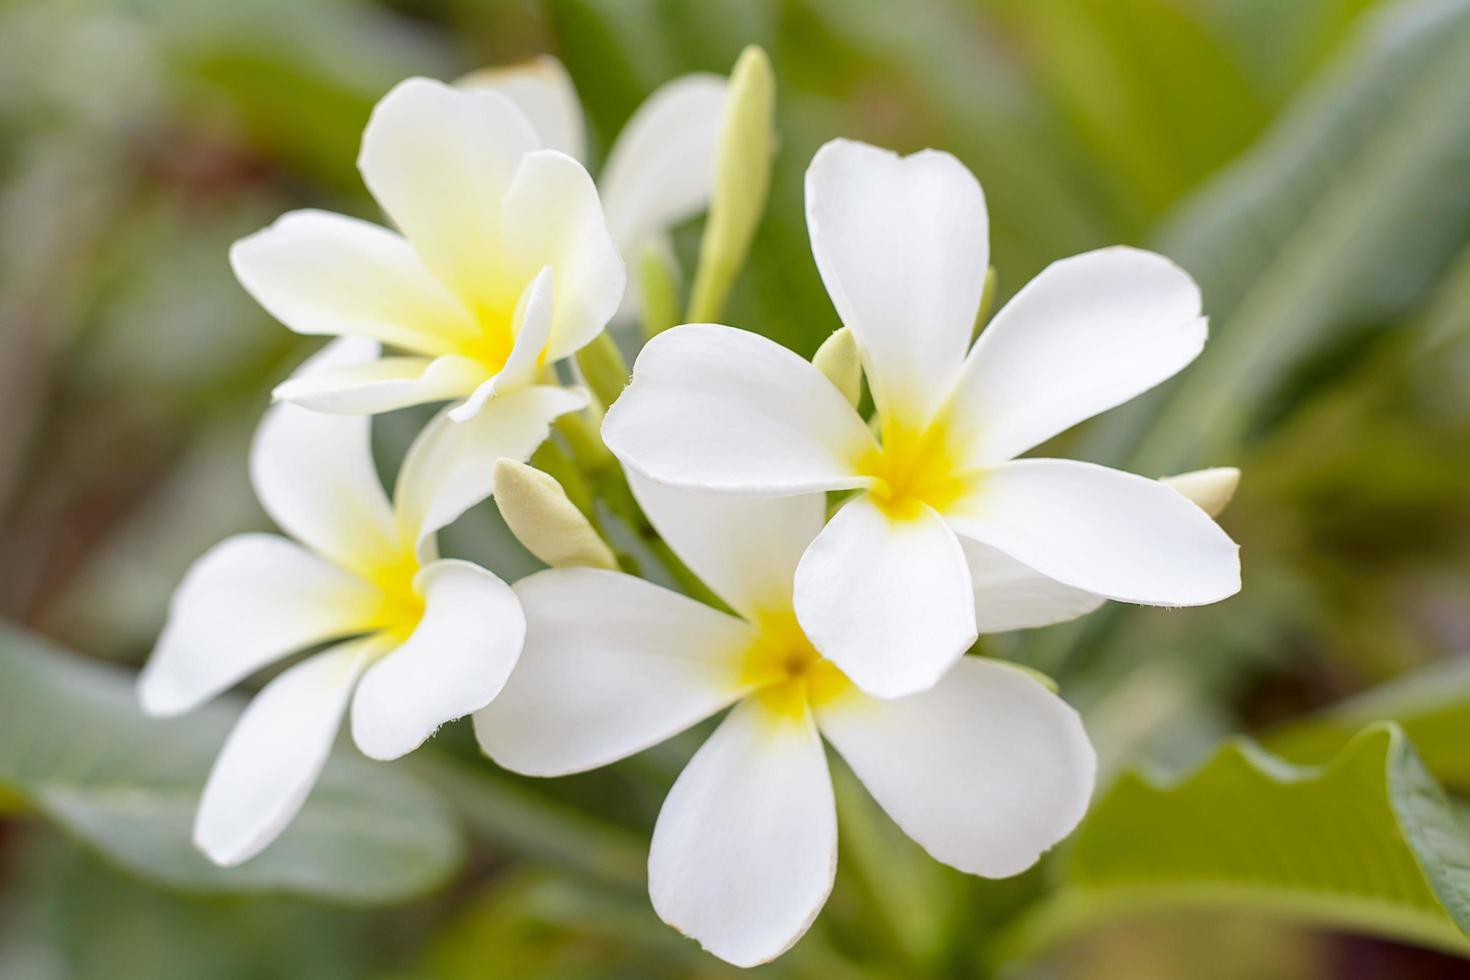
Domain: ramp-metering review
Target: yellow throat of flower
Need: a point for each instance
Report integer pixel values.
(401, 607)
(788, 672)
(913, 467)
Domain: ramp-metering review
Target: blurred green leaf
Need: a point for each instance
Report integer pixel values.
(1341, 215)
(1432, 705)
(1368, 843)
(76, 747)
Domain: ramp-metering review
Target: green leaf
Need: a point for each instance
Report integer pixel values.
(1432, 706)
(76, 748)
(1341, 215)
(1367, 843)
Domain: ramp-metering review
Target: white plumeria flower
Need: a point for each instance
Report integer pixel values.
(430, 639)
(661, 168)
(986, 770)
(504, 264)
(950, 536)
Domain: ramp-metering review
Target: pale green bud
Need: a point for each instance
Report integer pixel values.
(658, 289)
(542, 517)
(838, 359)
(742, 179)
(1211, 490)
(603, 368)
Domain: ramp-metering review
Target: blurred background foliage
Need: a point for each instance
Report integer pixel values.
(1306, 161)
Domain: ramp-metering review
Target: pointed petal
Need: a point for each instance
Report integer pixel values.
(986, 770)
(454, 662)
(273, 756)
(323, 273)
(1104, 531)
(541, 88)
(888, 601)
(746, 549)
(247, 602)
(439, 161)
(1089, 333)
(902, 246)
(451, 465)
(553, 217)
(718, 409)
(531, 330)
(745, 848)
(612, 666)
(383, 385)
(1013, 596)
(661, 169)
(314, 474)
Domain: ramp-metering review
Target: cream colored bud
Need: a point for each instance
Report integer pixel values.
(838, 359)
(1210, 489)
(545, 520)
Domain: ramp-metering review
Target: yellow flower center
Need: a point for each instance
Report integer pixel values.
(913, 467)
(402, 606)
(788, 671)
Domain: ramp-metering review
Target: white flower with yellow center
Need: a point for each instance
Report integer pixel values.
(426, 640)
(660, 170)
(986, 770)
(503, 266)
(951, 535)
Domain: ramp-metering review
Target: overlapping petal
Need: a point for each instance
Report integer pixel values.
(1012, 596)
(451, 465)
(987, 769)
(718, 409)
(553, 217)
(902, 246)
(661, 168)
(1087, 334)
(541, 88)
(247, 602)
(532, 331)
(314, 474)
(383, 385)
(1103, 531)
(888, 601)
(612, 665)
(745, 549)
(439, 161)
(276, 751)
(323, 273)
(455, 661)
(745, 848)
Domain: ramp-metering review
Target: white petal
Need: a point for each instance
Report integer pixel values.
(439, 161)
(531, 330)
(1089, 333)
(383, 385)
(1104, 531)
(247, 602)
(314, 475)
(744, 548)
(612, 665)
(987, 769)
(553, 217)
(542, 89)
(888, 601)
(718, 409)
(745, 848)
(661, 168)
(275, 753)
(1013, 596)
(902, 246)
(455, 661)
(323, 273)
(451, 465)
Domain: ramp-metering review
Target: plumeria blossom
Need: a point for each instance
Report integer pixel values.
(660, 170)
(503, 266)
(949, 535)
(986, 770)
(417, 640)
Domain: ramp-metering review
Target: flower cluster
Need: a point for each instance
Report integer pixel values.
(853, 628)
